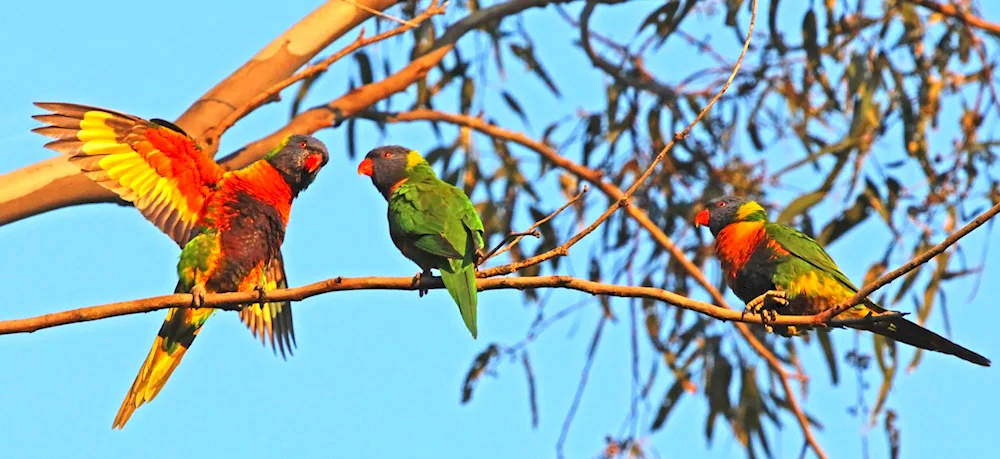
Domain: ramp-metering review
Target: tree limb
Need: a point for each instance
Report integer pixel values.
(330, 114)
(213, 134)
(359, 99)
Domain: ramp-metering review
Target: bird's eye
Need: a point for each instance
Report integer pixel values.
(721, 204)
(386, 154)
(303, 144)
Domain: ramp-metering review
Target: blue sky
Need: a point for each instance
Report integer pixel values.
(376, 374)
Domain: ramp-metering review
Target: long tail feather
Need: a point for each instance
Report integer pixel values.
(461, 284)
(904, 331)
(175, 337)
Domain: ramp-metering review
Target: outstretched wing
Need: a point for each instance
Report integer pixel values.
(152, 164)
(274, 320)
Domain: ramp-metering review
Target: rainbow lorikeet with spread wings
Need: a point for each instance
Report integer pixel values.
(432, 222)
(759, 256)
(230, 223)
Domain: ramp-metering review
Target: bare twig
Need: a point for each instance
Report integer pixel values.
(511, 238)
(537, 224)
(613, 192)
(378, 13)
(909, 266)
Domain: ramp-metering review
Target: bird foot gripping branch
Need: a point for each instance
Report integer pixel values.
(198, 293)
(418, 281)
(765, 305)
(261, 298)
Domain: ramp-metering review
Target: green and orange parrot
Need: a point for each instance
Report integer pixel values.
(432, 222)
(759, 256)
(230, 223)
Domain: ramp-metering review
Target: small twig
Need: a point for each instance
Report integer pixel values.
(272, 93)
(909, 266)
(381, 14)
(510, 237)
(532, 229)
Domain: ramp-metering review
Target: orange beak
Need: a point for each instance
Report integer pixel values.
(365, 168)
(313, 162)
(702, 218)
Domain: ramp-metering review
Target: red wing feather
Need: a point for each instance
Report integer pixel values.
(155, 166)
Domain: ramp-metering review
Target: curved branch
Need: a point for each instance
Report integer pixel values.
(55, 183)
(234, 301)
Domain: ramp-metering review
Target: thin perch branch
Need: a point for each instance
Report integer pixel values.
(235, 301)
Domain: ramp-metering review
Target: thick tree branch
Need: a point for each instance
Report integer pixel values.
(233, 301)
(271, 94)
(950, 10)
(55, 183)
(349, 104)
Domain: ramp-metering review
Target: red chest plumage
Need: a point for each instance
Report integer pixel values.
(261, 183)
(735, 244)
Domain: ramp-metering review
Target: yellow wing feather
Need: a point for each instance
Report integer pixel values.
(151, 164)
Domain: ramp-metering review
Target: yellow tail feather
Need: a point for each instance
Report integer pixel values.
(151, 378)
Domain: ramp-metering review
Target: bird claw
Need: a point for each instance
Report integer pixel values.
(198, 296)
(765, 305)
(261, 297)
(418, 280)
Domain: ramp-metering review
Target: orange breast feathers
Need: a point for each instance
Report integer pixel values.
(735, 244)
(260, 181)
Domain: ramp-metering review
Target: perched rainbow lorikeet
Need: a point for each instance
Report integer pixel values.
(432, 222)
(759, 256)
(230, 223)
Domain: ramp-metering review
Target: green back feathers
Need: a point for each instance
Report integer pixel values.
(806, 249)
